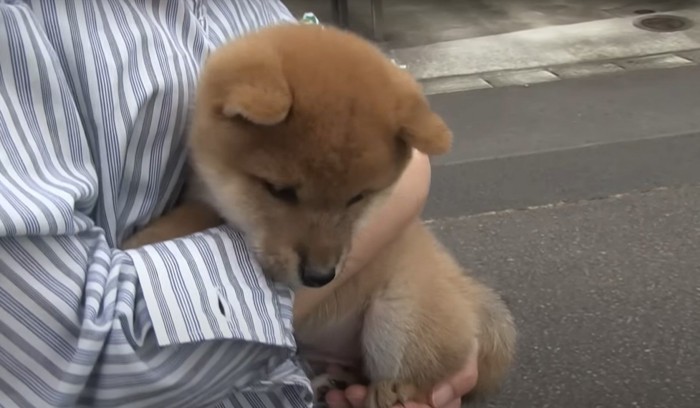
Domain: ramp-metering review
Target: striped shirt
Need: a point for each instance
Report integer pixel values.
(94, 101)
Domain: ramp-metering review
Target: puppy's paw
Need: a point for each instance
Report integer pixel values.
(385, 394)
(322, 384)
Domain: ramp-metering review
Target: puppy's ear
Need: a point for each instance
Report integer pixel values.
(252, 83)
(422, 128)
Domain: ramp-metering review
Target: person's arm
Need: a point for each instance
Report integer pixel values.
(186, 323)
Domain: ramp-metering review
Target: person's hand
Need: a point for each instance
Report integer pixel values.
(445, 395)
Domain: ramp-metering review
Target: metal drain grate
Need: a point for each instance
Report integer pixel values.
(663, 23)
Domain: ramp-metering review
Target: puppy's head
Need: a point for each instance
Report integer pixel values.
(297, 132)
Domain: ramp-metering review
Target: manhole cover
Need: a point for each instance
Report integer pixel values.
(663, 23)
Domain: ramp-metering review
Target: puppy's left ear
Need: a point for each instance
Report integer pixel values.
(422, 128)
(249, 82)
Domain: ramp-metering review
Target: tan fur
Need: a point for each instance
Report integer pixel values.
(323, 112)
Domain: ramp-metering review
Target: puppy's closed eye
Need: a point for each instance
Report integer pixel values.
(357, 198)
(285, 194)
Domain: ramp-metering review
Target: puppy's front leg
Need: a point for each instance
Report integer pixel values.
(410, 343)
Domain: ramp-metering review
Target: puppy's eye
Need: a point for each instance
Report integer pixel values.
(356, 199)
(286, 194)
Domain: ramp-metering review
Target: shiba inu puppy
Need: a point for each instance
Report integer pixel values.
(299, 132)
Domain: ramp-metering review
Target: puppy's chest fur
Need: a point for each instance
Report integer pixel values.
(344, 349)
(340, 317)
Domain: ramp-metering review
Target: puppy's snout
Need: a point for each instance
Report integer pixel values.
(314, 276)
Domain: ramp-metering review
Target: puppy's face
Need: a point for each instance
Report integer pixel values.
(300, 202)
(298, 131)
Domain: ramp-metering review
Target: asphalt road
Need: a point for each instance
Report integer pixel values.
(606, 294)
(568, 140)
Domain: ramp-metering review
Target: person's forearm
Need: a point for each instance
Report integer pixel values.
(403, 205)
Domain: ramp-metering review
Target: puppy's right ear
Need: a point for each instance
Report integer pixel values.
(250, 82)
(420, 127)
(424, 129)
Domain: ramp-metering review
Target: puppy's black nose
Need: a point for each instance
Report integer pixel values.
(314, 277)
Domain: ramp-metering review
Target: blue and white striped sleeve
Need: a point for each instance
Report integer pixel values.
(94, 97)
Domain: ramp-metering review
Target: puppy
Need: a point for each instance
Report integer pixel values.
(298, 133)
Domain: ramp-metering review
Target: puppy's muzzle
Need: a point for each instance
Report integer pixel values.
(313, 276)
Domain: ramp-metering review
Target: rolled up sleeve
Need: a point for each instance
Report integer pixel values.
(211, 275)
(80, 327)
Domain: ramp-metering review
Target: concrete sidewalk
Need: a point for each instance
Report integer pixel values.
(454, 45)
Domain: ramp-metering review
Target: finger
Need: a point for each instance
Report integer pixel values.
(466, 379)
(456, 387)
(356, 395)
(336, 399)
(457, 403)
(460, 384)
(454, 404)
